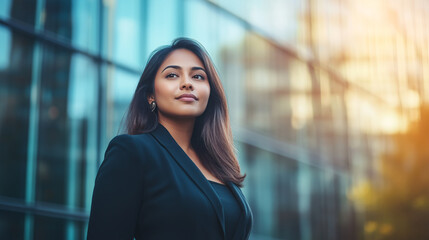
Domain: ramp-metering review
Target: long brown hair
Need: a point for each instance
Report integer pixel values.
(212, 137)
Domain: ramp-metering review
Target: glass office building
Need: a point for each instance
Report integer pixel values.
(325, 96)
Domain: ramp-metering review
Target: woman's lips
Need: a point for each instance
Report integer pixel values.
(187, 98)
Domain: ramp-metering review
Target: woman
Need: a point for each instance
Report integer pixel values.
(175, 174)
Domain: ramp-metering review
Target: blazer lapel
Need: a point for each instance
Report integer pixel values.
(165, 139)
(242, 230)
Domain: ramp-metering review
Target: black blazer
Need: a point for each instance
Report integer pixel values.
(148, 188)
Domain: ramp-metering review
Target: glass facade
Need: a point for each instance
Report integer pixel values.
(328, 102)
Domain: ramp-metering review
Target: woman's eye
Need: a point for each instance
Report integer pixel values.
(171, 75)
(199, 77)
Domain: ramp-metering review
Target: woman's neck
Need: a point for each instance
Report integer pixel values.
(180, 129)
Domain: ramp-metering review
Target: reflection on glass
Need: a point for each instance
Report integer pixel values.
(15, 75)
(53, 126)
(276, 18)
(5, 9)
(66, 142)
(5, 43)
(202, 29)
(82, 121)
(11, 225)
(396, 206)
(124, 36)
(163, 23)
(85, 24)
(229, 60)
(22, 11)
(295, 200)
(49, 228)
(120, 90)
(58, 17)
(75, 21)
(54, 228)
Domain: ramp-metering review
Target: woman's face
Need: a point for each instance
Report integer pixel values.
(182, 89)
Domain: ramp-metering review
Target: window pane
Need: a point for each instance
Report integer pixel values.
(124, 35)
(15, 75)
(229, 59)
(11, 225)
(201, 23)
(53, 127)
(75, 21)
(82, 120)
(301, 201)
(120, 90)
(163, 23)
(67, 126)
(259, 82)
(47, 228)
(19, 10)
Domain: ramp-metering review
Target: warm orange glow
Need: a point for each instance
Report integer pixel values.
(397, 200)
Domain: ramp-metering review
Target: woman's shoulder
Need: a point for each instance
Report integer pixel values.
(128, 142)
(132, 149)
(132, 138)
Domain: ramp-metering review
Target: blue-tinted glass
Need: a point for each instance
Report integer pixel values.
(292, 199)
(6, 48)
(5, 6)
(49, 228)
(82, 119)
(120, 90)
(66, 141)
(316, 202)
(259, 82)
(11, 225)
(58, 17)
(46, 228)
(54, 132)
(163, 23)
(15, 82)
(85, 24)
(238, 7)
(282, 120)
(229, 60)
(75, 21)
(201, 23)
(261, 196)
(287, 217)
(124, 35)
(22, 11)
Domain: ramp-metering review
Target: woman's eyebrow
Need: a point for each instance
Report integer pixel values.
(179, 67)
(171, 66)
(198, 68)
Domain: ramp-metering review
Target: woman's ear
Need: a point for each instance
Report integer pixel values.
(150, 98)
(152, 103)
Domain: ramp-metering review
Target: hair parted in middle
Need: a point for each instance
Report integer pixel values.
(212, 136)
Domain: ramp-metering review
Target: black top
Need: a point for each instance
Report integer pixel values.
(230, 207)
(148, 188)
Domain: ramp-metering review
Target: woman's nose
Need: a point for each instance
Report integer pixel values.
(186, 84)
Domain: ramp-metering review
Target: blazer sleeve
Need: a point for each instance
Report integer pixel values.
(117, 192)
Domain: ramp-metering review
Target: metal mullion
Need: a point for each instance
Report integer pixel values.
(42, 209)
(30, 184)
(71, 190)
